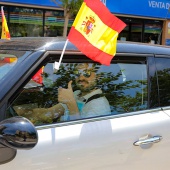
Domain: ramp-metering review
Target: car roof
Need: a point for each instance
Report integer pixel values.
(57, 43)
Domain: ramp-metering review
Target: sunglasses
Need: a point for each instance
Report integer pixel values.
(85, 73)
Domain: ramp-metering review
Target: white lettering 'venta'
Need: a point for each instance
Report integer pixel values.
(167, 5)
(161, 5)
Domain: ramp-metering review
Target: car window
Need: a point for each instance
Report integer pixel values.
(81, 91)
(9, 59)
(163, 72)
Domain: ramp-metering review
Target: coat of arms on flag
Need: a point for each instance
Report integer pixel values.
(88, 24)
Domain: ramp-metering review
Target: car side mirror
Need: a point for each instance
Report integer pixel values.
(18, 133)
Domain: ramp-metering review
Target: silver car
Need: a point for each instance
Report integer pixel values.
(84, 115)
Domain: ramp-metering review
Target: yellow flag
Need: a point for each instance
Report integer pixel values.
(5, 32)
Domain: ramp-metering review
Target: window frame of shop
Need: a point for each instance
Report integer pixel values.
(127, 33)
(57, 29)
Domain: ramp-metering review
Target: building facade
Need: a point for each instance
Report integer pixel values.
(147, 21)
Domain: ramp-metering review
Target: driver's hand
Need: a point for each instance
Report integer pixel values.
(66, 95)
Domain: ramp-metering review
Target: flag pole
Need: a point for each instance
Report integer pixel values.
(57, 64)
(2, 8)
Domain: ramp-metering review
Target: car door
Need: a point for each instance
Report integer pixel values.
(100, 144)
(131, 137)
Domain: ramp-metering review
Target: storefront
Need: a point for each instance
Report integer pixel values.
(33, 18)
(147, 20)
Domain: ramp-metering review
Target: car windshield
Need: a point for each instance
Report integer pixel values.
(8, 59)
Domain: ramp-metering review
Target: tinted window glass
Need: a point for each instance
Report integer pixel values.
(163, 71)
(9, 59)
(98, 91)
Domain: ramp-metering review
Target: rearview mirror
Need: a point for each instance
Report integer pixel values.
(18, 133)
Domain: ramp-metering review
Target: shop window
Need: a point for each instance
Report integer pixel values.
(26, 22)
(124, 35)
(152, 32)
(141, 30)
(54, 23)
(136, 32)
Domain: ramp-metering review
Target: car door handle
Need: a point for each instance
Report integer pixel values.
(151, 140)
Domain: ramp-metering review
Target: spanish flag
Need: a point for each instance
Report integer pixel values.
(5, 32)
(38, 76)
(9, 60)
(95, 31)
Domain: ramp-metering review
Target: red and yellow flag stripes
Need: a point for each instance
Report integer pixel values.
(9, 60)
(38, 76)
(95, 31)
(5, 32)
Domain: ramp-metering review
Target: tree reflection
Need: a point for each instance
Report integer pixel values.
(123, 97)
(164, 84)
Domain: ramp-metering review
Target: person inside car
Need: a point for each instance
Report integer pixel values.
(88, 101)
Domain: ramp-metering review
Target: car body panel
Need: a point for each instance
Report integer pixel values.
(100, 144)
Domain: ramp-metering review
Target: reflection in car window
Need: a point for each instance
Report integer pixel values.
(163, 72)
(84, 90)
(9, 59)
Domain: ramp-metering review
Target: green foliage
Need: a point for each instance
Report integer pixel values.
(123, 97)
(164, 84)
(72, 6)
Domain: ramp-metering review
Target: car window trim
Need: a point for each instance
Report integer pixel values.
(96, 119)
